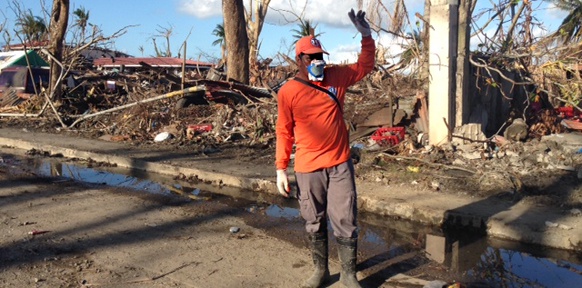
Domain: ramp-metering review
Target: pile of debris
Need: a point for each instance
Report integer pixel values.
(139, 105)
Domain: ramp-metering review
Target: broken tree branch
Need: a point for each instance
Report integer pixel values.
(164, 96)
(58, 82)
(487, 67)
(99, 39)
(509, 35)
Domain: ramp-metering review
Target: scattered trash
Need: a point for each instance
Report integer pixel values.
(556, 225)
(517, 131)
(201, 128)
(428, 148)
(413, 169)
(356, 152)
(193, 130)
(38, 232)
(564, 227)
(498, 140)
(572, 124)
(456, 285)
(162, 137)
(567, 112)
(253, 208)
(388, 136)
(111, 85)
(234, 229)
(435, 185)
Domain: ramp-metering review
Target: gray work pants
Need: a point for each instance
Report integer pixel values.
(329, 192)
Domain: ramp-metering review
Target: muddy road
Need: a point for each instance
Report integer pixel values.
(61, 233)
(118, 231)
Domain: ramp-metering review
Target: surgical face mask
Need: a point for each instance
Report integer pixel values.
(315, 70)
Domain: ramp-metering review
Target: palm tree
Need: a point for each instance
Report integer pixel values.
(82, 20)
(306, 28)
(33, 27)
(413, 49)
(571, 28)
(219, 32)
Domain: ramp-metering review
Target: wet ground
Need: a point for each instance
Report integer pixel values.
(387, 246)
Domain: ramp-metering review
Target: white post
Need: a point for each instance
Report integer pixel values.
(442, 59)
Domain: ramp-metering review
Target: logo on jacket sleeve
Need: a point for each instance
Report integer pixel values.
(333, 90)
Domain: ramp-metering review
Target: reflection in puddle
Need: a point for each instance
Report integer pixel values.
(506, 268)
(373, 238)
(282, 212)
(93, 176)
(383, 241)
(491, 262)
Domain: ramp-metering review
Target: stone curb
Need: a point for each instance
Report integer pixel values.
(218, 179)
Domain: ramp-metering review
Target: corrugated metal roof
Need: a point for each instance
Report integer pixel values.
(155, 62)
(28, 45)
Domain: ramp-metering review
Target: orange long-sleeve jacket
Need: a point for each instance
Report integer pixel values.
(311, 119)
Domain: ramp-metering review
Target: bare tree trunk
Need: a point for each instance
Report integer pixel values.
(237, 42)
(255, 19)
(57, 30)
(462, 73)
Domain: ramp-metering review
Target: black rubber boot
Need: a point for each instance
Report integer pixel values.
(318, 242)
(347, 250)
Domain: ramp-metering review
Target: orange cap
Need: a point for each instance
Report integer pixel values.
(308, 45)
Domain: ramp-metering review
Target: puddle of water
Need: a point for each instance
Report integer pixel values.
(116, 179)
(508, 268)
(493, 262)
(93, 176)
(501, 263)
(282, 212)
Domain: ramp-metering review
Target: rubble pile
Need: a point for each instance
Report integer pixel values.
(231, 109)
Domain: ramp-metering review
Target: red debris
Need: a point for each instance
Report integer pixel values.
(388, 135)
(567, 112)
(192, 130)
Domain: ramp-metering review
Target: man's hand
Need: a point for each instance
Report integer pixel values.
(360, 22)
(283, 182)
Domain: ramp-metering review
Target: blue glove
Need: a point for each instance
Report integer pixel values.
(360, 22)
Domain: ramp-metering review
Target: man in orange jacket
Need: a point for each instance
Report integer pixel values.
(310, 115)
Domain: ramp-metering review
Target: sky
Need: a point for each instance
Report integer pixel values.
(194, 20)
